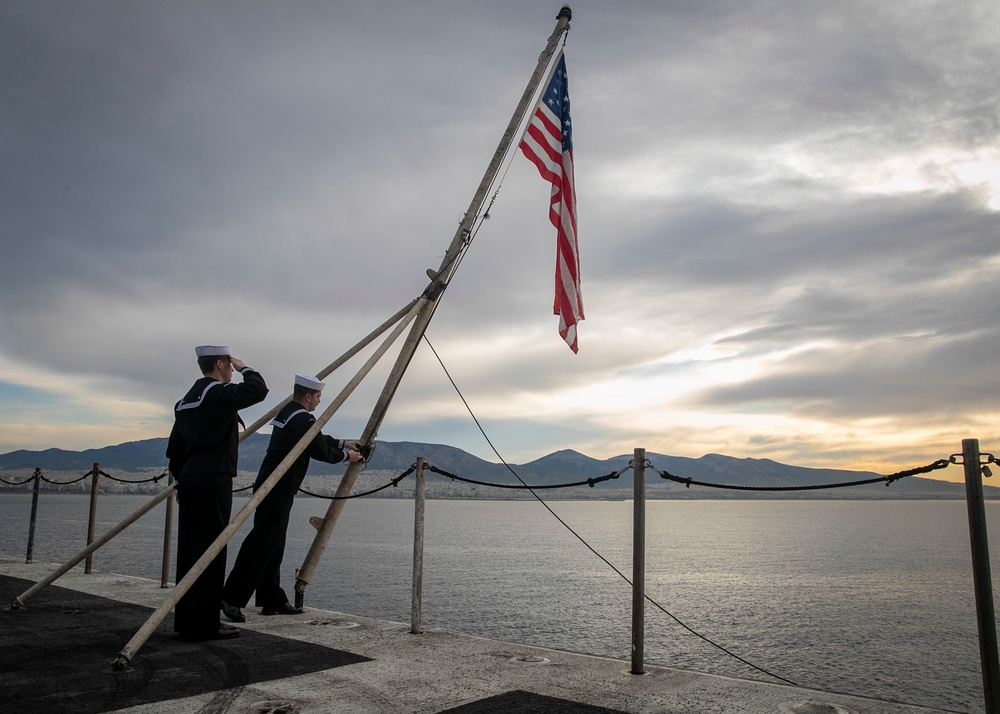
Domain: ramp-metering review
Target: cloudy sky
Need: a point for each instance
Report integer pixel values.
(788, 220)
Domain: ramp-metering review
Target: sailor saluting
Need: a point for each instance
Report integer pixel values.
(203, 450)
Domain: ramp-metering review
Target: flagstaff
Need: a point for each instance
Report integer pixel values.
(433, 292)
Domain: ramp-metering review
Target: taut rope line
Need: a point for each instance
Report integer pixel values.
(587, 545)
(941, 463)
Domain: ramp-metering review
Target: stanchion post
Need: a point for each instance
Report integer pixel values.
(94, 476)
(418, 547)
(638, 560)
(168, 534)
(981, 575)
(34, 515)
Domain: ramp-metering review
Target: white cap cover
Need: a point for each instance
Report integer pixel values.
(213, 351)
(308, 381)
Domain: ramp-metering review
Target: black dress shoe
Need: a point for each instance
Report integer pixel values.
(284, 609)
(232, 613)
(226, 632)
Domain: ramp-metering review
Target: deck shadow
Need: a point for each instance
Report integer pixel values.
(56, 654)
(522, 702)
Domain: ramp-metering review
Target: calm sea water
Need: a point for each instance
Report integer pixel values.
(865, 597)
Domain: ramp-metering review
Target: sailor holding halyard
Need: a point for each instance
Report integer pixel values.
(258, 565)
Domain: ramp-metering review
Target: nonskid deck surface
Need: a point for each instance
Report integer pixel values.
(57, 653)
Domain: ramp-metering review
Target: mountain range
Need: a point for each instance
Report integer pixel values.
(566, 466)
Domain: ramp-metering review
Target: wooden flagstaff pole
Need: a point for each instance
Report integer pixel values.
(439, 282)
(420, 312)
(144, 633)
(95, 476)
(34, 514)
(419, 509)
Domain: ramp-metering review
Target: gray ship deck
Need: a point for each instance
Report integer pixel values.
(56, 655)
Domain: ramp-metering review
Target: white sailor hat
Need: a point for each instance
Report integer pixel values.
(213, 351)
(308, 381)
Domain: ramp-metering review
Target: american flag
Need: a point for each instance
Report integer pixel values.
(548, 144)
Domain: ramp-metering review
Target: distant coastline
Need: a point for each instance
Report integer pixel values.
(131, 466)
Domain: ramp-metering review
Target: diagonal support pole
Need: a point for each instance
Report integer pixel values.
(333, 366)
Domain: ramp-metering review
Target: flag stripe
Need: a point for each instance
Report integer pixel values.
(548, 144)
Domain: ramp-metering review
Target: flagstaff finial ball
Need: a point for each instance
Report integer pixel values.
(566, 12)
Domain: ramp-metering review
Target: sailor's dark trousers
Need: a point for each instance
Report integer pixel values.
(258, 564)
(205, 503)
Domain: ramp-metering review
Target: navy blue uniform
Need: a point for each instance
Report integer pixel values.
(203, 451)
(258, 565)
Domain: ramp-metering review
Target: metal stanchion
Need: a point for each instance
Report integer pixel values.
(981, 575)
(639, 561)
